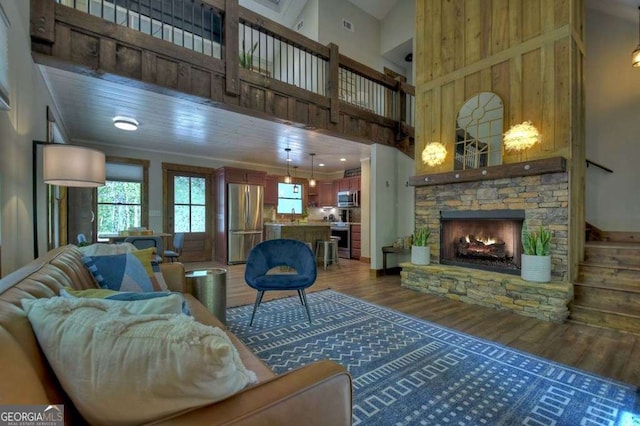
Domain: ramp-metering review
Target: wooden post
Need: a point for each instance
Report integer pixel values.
(333, 83)
(231, 47)
(42, 21)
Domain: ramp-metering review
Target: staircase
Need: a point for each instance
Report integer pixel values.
(607, 293)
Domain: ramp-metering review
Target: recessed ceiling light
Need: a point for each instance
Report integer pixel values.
(125, 123)
(343, 159)
(321, 165)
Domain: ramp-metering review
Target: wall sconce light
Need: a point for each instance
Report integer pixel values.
(296, 189)
(287, 178)
(635, 56)
(312, 181)
(65, 165)
(434, 154)
(521, 136)
(126, 123)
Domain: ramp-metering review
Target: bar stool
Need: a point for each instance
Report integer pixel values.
(329, 251)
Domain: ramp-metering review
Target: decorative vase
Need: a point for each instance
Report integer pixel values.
(420, 255)
(536, 268)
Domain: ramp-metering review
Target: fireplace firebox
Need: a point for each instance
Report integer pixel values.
(483, 239)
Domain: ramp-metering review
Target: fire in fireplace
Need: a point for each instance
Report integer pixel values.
(482, 239)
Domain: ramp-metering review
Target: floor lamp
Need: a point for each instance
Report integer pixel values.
(65, 165)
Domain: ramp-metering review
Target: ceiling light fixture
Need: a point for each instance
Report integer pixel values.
(312, 181)
(125, 123)
(295, 186)
(343, 159)
(521, 136)
(287, 178)
(635, 56)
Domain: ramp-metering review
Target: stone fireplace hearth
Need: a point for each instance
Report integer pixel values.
(536, 192)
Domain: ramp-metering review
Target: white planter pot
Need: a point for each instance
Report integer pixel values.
(536, 268)
(420, 255)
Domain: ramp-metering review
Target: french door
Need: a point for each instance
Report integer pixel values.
(189, 209)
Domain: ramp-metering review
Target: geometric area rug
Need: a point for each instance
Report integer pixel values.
(407, 371)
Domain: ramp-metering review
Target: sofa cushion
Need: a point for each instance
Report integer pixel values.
(122, 368)
(120, 272)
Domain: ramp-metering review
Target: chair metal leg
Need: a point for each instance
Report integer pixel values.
(306, 305)
(255, 305)
(300, 296)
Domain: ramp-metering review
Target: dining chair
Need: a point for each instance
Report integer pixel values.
(178, 243)
(145, 241)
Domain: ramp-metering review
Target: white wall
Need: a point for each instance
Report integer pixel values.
(363, 44)
(310, 17)
(398, 27)
(612, 124)
(25, 122)
(391, 203)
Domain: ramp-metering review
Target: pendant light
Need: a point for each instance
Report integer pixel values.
(287, 178)
(635, 56)
(312, 181)
(295, 186)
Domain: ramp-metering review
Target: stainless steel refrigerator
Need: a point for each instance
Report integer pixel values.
(245, 220)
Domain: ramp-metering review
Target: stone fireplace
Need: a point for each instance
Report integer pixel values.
(483, 239)
(494, 202)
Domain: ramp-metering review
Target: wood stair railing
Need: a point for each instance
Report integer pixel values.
(607, 293)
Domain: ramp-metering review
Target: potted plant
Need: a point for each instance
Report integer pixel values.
(420, 251)
(536, 257)
(246, 58)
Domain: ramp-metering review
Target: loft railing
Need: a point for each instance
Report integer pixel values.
(264, 47)
(276, 57)
(187, 23)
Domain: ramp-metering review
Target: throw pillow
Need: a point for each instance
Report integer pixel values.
(166, 303)
(132, 369)
(127, 296)
(102, 249)
(120, 272)
(148, 259)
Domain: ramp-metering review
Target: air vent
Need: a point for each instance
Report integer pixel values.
(347, 25)
(299, 25)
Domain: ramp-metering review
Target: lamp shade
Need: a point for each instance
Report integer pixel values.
(635, 57)
(71, 165)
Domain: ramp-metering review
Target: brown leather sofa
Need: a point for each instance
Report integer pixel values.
(316, 394)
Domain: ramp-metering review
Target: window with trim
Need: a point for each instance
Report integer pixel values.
(121, 201)
(189, 204)
(289, 198)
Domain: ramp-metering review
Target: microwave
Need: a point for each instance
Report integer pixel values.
(349, 199)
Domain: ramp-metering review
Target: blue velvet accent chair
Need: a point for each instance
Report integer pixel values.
(280, 253)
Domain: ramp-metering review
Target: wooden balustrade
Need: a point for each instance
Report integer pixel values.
(203, 47)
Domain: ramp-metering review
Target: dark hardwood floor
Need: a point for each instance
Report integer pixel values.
(605, 352)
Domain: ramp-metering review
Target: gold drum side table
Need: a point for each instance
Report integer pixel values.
(209, 286)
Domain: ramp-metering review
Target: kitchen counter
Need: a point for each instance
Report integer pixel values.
(308, 232)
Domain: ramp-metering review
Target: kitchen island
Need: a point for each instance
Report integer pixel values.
(305, 232)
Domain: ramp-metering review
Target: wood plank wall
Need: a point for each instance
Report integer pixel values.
(530, 53)
(519, 49)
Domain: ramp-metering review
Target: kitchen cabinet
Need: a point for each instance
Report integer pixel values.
(271, 190)
(349, 184)
(355, 241)
(327, 194)
(308, 233)
(234, 175)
